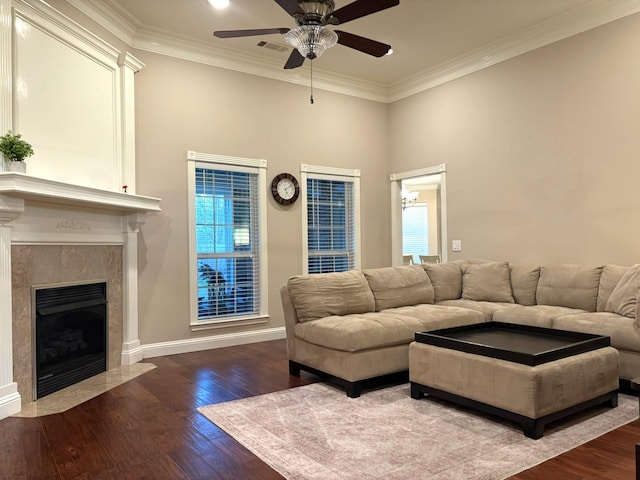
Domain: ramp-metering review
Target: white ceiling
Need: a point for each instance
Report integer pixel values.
(429, 37)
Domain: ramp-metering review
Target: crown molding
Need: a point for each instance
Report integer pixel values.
(110, 16)
(187, 49)
(127, 28)
(573, 22)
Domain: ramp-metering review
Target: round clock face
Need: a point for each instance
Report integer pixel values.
(285, 188)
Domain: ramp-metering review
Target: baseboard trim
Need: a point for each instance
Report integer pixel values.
(131, 353)
(211, 342)
(10, 400)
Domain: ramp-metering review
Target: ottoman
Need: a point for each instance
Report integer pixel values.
(529, 395)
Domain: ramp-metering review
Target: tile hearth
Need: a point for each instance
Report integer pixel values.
(74, 395)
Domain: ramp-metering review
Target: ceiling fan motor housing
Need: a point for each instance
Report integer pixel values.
(316, 12)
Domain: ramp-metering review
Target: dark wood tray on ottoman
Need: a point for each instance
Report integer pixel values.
(516, 343)
(530, 346)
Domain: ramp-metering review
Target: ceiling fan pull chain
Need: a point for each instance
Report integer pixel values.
(311, 98)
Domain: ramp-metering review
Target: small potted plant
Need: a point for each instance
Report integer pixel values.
(14, 150)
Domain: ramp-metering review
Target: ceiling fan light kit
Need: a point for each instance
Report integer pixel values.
(311, 40)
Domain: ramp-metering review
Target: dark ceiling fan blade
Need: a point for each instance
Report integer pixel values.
(248, 33)
(295, 60)
(362, 8)
(290, 6)
(362, 44)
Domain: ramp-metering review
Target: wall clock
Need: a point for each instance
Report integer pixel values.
(285, 188)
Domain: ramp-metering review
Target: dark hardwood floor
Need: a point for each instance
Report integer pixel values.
(149, 428)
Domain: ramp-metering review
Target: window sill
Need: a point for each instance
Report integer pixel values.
(228, 322)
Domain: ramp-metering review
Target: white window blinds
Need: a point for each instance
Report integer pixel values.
(415, 231)
(330, 225)
(227, 238)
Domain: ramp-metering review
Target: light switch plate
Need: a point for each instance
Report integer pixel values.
(456, 245)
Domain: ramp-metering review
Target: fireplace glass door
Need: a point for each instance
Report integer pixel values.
(70, 335)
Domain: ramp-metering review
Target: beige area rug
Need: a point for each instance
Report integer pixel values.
(317, 432)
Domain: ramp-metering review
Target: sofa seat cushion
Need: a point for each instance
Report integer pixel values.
(359, 331)
(537, 315)
(433, 317)
(395, 326)
(624, 332)
(486, 308)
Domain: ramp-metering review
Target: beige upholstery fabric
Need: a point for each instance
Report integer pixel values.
(399, 286)
(524, 283)
(489, 282)
(572, 286)
(624, 298)
(624, 332)
(353, 366)
(486, 308)
(326, 294)
(629, 363)
(446, 279)
(434, 317)
(530, 391)
(357, 332)
(611, 275)
(537, 315)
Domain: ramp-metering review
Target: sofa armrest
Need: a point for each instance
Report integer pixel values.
(290, 320)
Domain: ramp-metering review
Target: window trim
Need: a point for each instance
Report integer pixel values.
(330, 173)
(259, 167)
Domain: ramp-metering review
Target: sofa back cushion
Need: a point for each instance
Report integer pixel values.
(489, 282)
(446, 279)
(325, 294)
(524, 283)
(610, 277)
(572, 286)
(399, 286)
(624, 298)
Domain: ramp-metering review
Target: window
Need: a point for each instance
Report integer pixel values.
(228, 265)
(331, 206)
(415, 231)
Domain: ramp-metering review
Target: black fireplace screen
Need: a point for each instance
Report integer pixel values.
(70, 335)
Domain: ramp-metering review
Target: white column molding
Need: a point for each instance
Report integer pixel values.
(10, 401)
(131, 347)
(129, 65)
(6, 75)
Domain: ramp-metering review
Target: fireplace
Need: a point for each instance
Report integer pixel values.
(70, 334)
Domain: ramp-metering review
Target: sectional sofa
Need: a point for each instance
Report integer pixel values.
(357, 325)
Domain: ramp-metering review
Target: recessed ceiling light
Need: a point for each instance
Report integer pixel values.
(219, 3)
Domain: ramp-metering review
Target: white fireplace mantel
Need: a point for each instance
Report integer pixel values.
(37, 211)
(22, 186)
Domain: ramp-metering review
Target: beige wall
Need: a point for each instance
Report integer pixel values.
(542, 151)
(542, 158)
(182, 106)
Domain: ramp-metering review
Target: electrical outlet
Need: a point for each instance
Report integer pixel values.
(456, 245)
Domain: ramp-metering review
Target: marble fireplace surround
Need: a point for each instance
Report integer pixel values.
(53, 232)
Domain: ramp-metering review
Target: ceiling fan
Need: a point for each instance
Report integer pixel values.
(310, 38)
